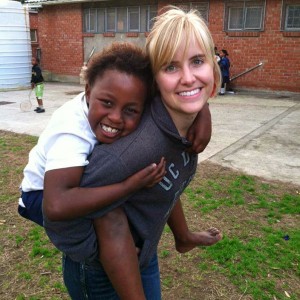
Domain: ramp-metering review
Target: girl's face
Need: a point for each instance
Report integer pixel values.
(116, 102)
(187, 82)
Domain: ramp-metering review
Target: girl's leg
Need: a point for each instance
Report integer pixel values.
(151, 280)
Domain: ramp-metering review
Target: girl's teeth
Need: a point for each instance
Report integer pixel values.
(109, 129)
(190, 93)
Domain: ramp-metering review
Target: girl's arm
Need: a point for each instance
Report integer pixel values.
(64, 198)
(200, 132)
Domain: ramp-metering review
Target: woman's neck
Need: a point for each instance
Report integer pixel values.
(182, 121)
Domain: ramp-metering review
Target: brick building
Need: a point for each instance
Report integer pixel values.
(64, 32)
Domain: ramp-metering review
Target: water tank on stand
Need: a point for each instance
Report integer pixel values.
(15, 46)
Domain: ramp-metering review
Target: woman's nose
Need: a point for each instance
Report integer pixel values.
(187, 76)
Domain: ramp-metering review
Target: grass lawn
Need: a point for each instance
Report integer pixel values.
(258, 257)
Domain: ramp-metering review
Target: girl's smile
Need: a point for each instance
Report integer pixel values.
(116, 102)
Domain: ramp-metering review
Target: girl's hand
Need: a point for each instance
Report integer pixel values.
(200, 131)
(148, 176)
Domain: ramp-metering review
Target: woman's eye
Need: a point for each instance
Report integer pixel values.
(198, 61)
(170, 68)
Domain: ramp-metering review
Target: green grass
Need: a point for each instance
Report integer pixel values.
(257, 259)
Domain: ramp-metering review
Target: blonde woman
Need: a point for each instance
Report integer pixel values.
(181, 52)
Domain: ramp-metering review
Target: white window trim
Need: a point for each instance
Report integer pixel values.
(35, 35)
(230, 5)
(145, 27)
(139, 19)
(286, 18)
(115, 22)
(261, 18)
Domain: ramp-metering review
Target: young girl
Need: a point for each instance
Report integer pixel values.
(181, 52)
(109, 110)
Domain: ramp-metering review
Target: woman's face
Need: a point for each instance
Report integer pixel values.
(187, 82)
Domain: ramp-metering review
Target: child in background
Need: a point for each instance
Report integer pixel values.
(37, 83)
(225, 66)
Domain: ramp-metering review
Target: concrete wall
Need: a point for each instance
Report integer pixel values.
(65, 47)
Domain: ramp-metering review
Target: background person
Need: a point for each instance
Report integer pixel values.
(37, 83)
(225, 66)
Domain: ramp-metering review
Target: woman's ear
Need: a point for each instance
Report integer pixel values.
(213, 93)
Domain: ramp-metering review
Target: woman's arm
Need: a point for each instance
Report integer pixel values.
(200, 132)
(64, 198)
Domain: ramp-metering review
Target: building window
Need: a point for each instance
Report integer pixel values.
(151, 13)
(244, 15)
(119, 19)
(202, 7)
(290, 16)
(110, 20)
(33, 35)
(89, 23)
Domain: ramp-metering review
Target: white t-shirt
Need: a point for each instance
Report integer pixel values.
(66, 142)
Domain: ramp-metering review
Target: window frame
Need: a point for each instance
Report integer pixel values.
(186, 6)
(144, 13)
(284, 18)
(33, 31)
(106, 18)
(150, 9)
(246, 6)
(138, 29)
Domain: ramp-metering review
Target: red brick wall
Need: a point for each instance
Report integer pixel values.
(60, 38)
(34, 25)
(279, 53)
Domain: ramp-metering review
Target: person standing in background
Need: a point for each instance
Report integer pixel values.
(225, 66)
(37, 83)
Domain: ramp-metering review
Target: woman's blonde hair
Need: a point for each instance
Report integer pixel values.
(170, 29)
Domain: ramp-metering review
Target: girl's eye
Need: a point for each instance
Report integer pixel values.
(130, 110)
(107, 103)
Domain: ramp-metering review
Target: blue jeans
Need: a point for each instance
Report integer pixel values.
(85, 281)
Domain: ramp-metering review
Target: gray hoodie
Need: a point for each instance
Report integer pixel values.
(148, 209)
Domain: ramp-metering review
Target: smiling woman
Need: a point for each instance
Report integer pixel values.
(186, 76)
(186, 73)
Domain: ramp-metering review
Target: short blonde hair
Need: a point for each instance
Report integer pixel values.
(170, 29)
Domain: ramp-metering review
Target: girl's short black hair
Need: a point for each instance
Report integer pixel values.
(225, 52)
(120, 56)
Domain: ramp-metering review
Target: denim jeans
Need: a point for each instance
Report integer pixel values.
(85, 281)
